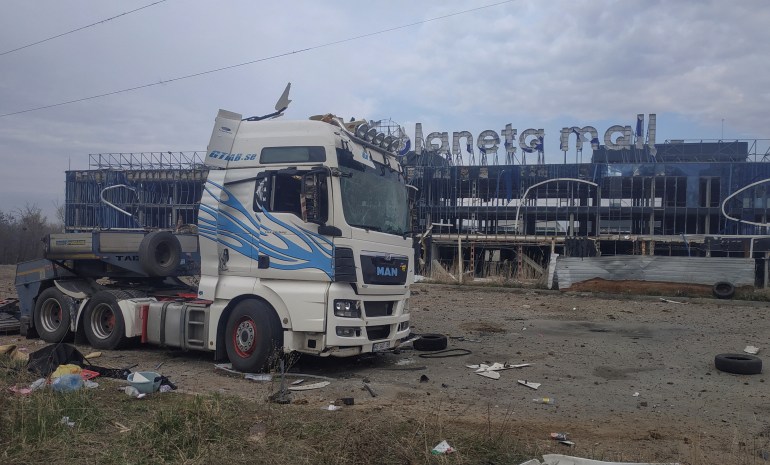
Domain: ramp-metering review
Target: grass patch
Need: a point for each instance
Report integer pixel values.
(111, 427)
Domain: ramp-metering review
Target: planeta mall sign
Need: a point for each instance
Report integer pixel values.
(616, 137)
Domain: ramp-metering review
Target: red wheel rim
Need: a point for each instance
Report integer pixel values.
(245, 337)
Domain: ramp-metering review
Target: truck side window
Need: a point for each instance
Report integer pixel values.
(278, 192)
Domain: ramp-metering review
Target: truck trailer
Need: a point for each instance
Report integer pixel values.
(302, 244)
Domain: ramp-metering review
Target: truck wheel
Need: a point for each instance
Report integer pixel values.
(103, 321)
(52, 315)
(160, 253)
(252, 336)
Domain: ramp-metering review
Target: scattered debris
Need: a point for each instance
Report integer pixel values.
(559, 459)
(259, 376)
(368, 388)
(299, 381)
(424, 379)
(96, 355)
(636, 394)
(492, 371)
(308, 387)
(751, 350)
(562, 439)
(22, 391)
(669, 301)
(67, 383)
(489, 374)
(332, 407)
(131, 391)
(545, 400)
(529, 384)
(121, 427)
(15, 353)
(442, 448)
(344, 401)
(66, 421)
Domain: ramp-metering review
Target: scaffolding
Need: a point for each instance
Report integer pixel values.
(608, 208)
(150, 190)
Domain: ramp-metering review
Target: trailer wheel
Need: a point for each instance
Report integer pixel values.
(103, 321)
(252, 337)
(160, 253)
(52, 315)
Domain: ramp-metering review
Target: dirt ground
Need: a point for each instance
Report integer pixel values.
(591, 353)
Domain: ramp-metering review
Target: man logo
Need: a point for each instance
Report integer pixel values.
(387, 271)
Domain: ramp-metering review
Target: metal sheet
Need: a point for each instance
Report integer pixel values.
(689, 270)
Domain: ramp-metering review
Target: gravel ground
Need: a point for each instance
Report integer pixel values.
(591, 353)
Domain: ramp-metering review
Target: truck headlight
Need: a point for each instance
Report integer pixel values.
(347, 308)
(348, 331)
(406, 306)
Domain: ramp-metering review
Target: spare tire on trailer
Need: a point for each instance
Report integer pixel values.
(430, 341)
(723, 290)
(160, 253)
(739, 364)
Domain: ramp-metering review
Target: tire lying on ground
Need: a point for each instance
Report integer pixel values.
(739, 364)
(723, 290)
(430, 342)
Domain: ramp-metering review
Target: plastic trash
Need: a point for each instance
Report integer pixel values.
(67, 383)
(545, 400)
(134, 392)
(66, 421)
(37, 384)
(165, 388)
(442, 448)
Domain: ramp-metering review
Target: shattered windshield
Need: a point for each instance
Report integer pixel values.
(375, 199)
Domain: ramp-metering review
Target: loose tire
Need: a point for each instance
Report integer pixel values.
(103, 320)
(52, 315)
(723, 290)
(739, 364)
(428, 342)
(252, 336)
(160, 253)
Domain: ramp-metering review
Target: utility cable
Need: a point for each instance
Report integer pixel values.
(259, 60)
(80, 28)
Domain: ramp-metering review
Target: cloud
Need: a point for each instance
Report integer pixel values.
(527, 62)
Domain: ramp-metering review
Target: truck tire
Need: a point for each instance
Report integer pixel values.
(739, 364)
(253, 336)
(103, 320)
(160, 253)
(723, 290)
(52, 315)
(430, 342)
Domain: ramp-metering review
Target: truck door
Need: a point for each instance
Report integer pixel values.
(289, 245)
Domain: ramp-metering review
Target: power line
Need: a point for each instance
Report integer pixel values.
(80, 28)
(258, 60)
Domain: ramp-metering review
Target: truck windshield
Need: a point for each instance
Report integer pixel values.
(375, 198)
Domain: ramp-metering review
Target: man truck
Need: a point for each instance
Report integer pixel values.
(302, 244)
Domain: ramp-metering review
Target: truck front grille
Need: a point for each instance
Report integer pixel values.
(375, 309)
(378, 332)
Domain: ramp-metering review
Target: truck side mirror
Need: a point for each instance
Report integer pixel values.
(314, 198)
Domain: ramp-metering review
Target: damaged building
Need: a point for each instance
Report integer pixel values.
(686, 212)
(694, 213)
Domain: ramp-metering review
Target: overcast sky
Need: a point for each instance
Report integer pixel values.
(701, 66)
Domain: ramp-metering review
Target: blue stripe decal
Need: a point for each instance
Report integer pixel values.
(250, 235)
